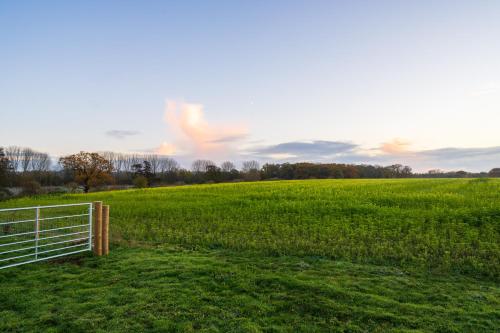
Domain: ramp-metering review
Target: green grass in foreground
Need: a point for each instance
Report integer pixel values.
(295, 256)
(175, 290)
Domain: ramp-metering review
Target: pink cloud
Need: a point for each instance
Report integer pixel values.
(166, 149)
(194, 135)
(396, 146)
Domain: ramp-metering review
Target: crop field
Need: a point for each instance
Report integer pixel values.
(314, 255)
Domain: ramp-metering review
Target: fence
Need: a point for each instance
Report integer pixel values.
(32, 234)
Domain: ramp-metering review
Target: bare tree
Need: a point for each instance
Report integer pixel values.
(168, 164)
(127, 162)
(13, 154)
(118, 163)
(136, 159)
(227, 166)
(113, 157)
(154, 161)
(26, 156)
(250, 166)
(201, 165)
(39, 162)
(251, 170)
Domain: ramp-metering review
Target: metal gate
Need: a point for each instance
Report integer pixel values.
(32, 234)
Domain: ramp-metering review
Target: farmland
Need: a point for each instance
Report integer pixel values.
(313, 255)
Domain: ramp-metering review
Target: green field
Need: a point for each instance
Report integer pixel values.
(316, 255)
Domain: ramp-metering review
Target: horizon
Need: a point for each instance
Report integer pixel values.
(376, 83)
(54, 161)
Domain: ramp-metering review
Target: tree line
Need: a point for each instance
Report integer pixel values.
(29, 169)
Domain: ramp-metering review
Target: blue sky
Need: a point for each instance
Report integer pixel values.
(415, 82)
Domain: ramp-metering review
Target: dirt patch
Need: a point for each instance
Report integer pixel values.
(78, 261)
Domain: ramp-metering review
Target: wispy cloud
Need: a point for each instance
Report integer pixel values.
(470, 159)
(121, 134)
(461, 153)
(195, 136)
(230, 138)
(297, 149)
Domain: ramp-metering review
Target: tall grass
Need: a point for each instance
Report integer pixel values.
(441, 225)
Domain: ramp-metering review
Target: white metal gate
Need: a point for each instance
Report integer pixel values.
(32, 234)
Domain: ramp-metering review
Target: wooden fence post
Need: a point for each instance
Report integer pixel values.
(98, 228)
(105, 230)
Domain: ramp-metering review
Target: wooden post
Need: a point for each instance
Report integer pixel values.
(105, 230)
(98, 228)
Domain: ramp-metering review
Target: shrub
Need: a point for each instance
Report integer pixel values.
(252, 175)
(31, 187)
(74, 187)
(5, 194)
(140, 182)
(57, 190)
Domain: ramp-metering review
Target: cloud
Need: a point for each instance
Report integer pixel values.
(166, 149)
(194, 135)
(449, 158)
(121, 134)
(230, 138)
(392, 152)
(396, 146)
(163, 149)
(303, 150)
(282, 156)
(461, 153)
(470, 159)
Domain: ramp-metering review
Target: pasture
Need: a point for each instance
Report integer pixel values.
(313, 255)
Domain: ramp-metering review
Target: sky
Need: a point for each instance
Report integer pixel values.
(381, 82)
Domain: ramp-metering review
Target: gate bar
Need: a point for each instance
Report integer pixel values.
(44, 245)
(42, 259)
(42, 207)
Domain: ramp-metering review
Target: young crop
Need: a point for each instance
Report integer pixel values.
(442, 225)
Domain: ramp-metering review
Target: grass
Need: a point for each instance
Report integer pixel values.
(316, 255)
(178, 290)
(438, 225)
